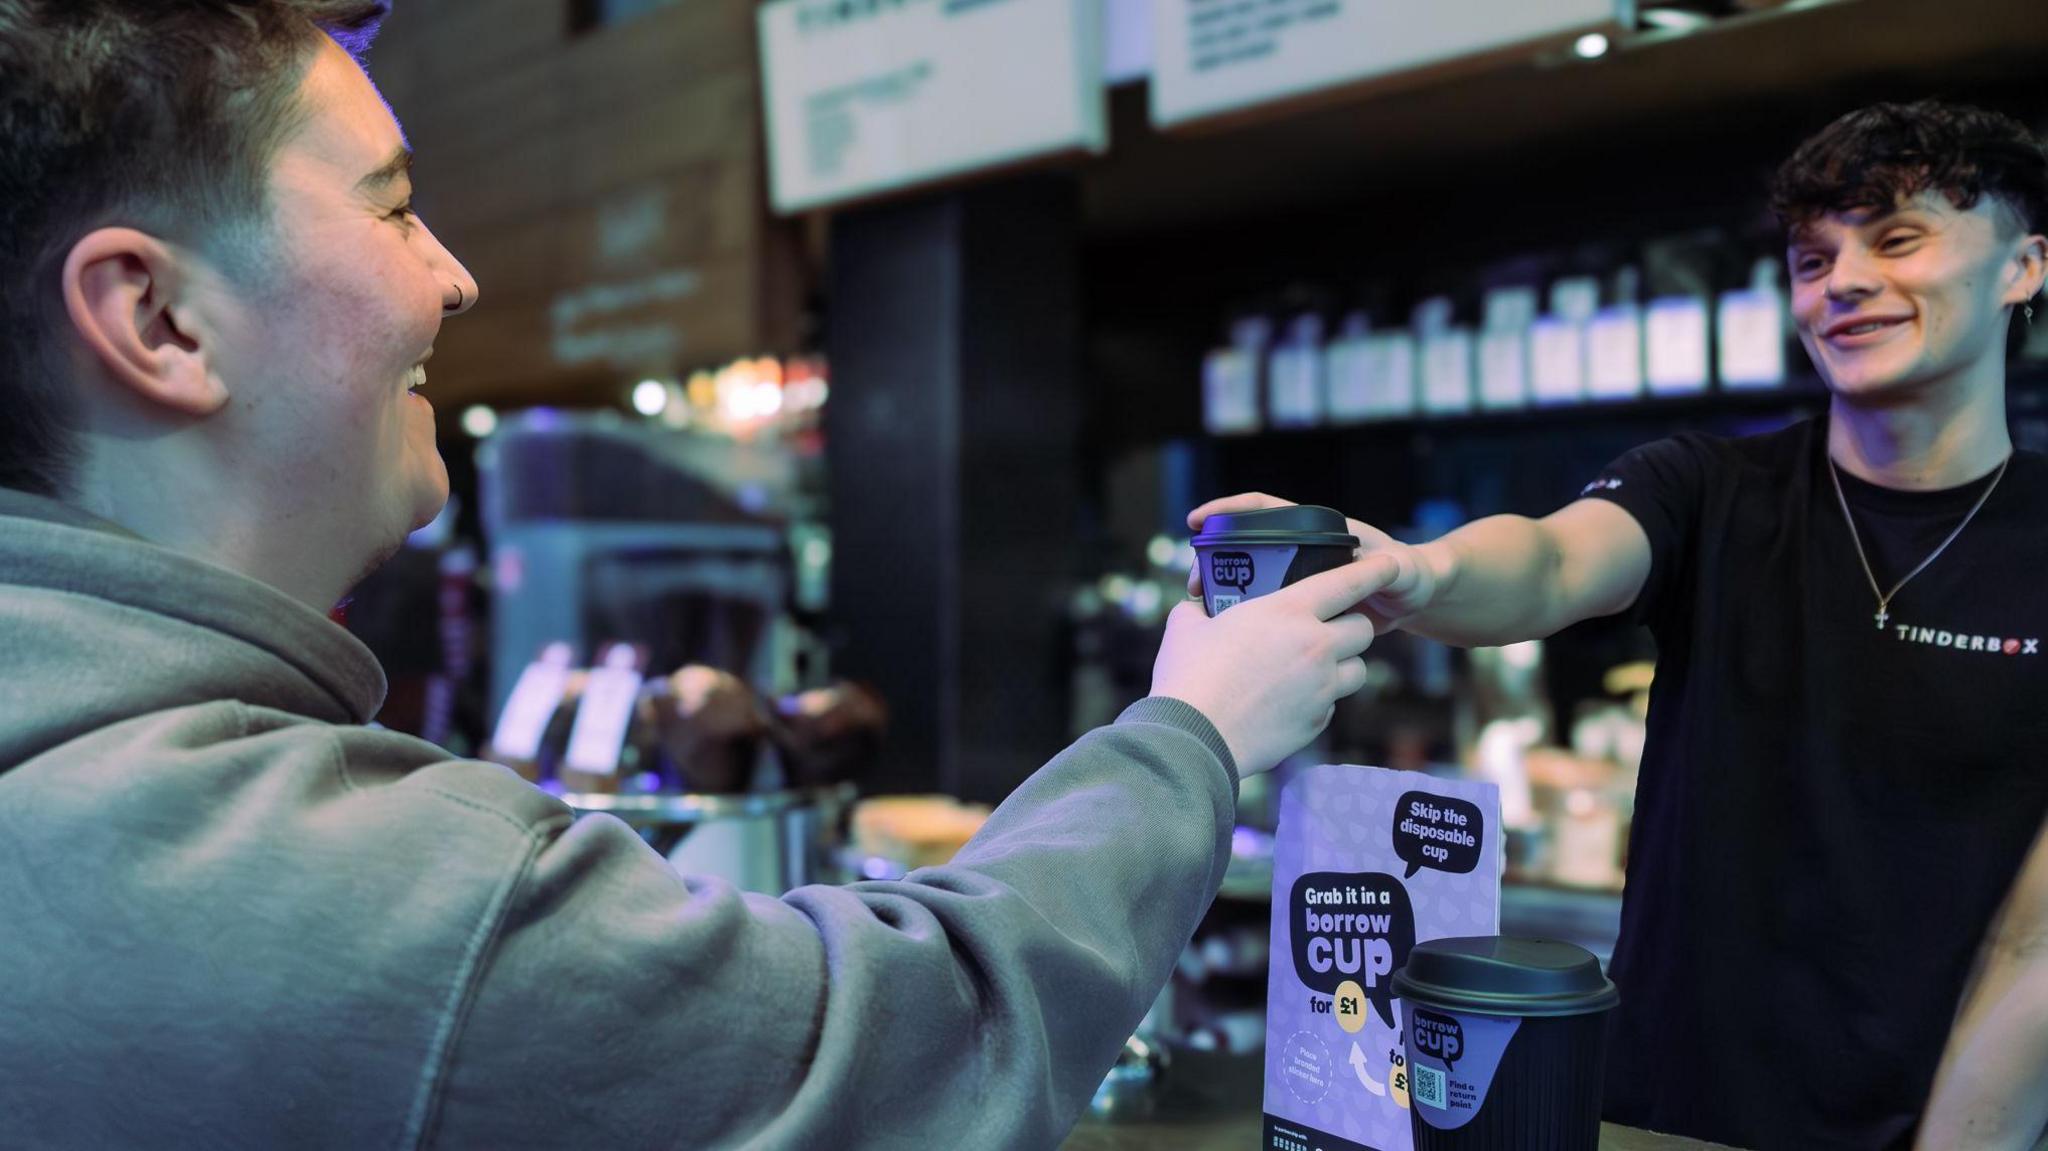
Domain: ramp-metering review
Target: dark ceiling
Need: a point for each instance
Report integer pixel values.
(1779, 74)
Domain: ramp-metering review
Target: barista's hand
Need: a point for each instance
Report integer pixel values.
(1411, 580)
(1269, 672)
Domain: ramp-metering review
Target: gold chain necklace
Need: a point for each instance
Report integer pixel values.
(1884, 598)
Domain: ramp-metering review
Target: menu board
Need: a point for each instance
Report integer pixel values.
(865, 96)
(1212, 57)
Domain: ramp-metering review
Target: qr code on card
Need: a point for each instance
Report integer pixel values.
(1429, 1086)
(1220, 601)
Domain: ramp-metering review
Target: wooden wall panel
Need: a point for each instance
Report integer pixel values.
(508, 179)
(690, 40)
(703, 213)
(524, 361)
(604, 188)
(450, 44)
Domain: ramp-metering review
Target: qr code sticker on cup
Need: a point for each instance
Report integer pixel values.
(1222, 601)
(1429, 1086)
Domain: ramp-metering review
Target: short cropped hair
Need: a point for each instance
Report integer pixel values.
(1884, 155)
(162, 115)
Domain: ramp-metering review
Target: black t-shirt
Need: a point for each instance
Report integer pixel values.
(1829, 812)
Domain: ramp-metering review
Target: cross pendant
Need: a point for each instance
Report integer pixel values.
(1882, 615)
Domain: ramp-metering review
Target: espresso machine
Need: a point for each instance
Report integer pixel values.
(605, 533)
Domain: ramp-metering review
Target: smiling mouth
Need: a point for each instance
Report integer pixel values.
(416, 376)
(1860, 328)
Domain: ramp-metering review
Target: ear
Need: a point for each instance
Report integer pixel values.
(2028, 268)
(122, 293)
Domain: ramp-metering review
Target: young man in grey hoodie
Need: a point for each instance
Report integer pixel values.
(237, 917)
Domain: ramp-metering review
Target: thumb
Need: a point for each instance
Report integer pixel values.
(1332, 593)
(1406, 569)
(1185, 614)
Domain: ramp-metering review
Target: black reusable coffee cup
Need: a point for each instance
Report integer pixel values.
(1506, 1042)
(1243, 555)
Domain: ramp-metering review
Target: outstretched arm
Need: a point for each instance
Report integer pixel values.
(1498, 580)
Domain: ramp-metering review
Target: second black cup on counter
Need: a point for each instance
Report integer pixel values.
(1506, 1042)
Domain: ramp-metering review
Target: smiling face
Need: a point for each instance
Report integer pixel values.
(1893, 304)
(331, 339)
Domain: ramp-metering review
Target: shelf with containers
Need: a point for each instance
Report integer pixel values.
(1598, 342)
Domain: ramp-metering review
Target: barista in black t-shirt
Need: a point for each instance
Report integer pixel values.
(1847, 762)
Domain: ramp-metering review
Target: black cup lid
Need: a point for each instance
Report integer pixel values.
(1496, 975)
(1303, 524)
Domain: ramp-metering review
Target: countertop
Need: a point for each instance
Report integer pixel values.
(1241, 1133)
(1211, 1102)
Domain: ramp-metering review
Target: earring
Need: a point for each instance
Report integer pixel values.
(2029, 309)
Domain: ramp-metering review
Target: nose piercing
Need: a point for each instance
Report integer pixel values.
(461, 298)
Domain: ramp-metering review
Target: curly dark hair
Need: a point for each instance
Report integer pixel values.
(1881, 156)
(162, 115)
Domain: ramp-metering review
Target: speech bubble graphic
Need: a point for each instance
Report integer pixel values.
(1439, 1035)
(1439, 833)
(1232, 570)
(1353, 927)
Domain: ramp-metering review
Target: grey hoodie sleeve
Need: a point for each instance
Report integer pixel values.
(974, 1005)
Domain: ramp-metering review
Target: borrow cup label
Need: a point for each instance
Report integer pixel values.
(1231, 576)
(1453, 1057)
(1367, 863)
(1234, 570)
(1438, 1035)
